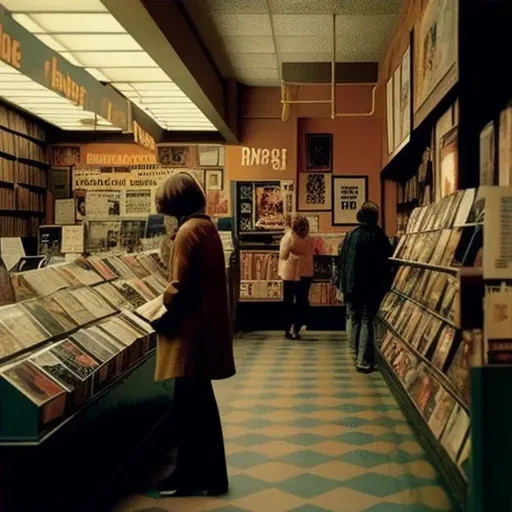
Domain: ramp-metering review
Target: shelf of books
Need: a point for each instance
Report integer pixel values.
(81, 335)
(23, 174)
(431, 325)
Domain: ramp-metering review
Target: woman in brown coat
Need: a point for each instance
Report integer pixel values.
(197, 344)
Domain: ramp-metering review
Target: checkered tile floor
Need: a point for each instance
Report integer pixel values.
(305, 432)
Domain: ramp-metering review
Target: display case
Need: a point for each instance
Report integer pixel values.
(79, 337)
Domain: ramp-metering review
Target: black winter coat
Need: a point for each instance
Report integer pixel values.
(364, 270)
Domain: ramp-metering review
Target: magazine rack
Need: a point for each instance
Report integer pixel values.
(432, 329)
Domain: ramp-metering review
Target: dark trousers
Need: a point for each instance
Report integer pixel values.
(296, 303)
(201, 459)
(361, 332)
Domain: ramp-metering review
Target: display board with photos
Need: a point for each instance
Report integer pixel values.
(429, 340)
(81, 333)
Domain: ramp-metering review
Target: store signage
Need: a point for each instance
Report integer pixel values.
(10, 49)
(276, 158)
(119, 159)
(142, 137)
(64, 83)
(25, 52)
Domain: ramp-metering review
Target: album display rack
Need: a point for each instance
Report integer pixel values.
(23, 174)
(80, 336)
(432, 327)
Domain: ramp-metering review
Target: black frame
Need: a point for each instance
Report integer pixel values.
(310, 140)
(344, 177)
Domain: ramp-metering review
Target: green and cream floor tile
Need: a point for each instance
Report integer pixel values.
(305, 432)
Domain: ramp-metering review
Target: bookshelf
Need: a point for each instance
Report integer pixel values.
(23, 174)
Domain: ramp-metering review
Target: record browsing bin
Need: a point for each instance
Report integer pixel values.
(82, 340)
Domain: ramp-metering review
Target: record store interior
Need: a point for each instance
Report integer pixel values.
(307, 307)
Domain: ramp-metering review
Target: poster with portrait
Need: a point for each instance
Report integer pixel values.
(435, 55)
(349, 193)
(315, 191)
(173, 156)
(103, 203)
(268, 207)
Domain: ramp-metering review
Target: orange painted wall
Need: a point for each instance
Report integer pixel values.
(357, 139)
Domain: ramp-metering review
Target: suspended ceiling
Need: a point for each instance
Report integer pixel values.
(257, 36)
(89, 36)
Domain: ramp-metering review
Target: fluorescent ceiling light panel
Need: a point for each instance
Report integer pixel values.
(54, 5)
(44, 103)
(114, 59)
(78, 23)
(88, 36)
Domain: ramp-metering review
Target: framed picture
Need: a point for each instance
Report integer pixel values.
(389, 116)
(314, 223)
(60, 182)
(209, 156)
(348, 195)
(319, 151)
(404, 110)
(173, 156)
(436, 68)
(487, 155)
(315, 191)
(214, 179)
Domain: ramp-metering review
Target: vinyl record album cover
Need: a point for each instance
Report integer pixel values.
(33, 383)
(50, 364)
(75, 309)
(78, 361)
(12, 317)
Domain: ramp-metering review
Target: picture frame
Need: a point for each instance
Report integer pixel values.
(319, 152)
(172, 156)
(436, 60)
(348, 195)
(214, 179)
(390, 123)
(315, 192)
(209, 156)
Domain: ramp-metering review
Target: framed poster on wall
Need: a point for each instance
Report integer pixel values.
(436, 50)
(319, 152)
(389, 115)
(348, 195)
(315, 191)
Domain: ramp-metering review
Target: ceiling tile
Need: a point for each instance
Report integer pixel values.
(301, 6)
(302, 25)
(250, 44)
(243, 24)
(300, 44)
(257, 74)
(262, 83)
(305, 57)
(253, 60)
(238, 6)
(367, 6)
(334, 6)
(362, 38)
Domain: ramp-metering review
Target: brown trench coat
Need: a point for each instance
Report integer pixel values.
(201, 339)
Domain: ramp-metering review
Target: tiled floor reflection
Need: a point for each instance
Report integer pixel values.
(305, 432)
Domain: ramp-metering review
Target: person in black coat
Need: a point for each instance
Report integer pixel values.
(364, 277)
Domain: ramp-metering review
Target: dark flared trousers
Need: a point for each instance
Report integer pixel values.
(296, 302)
(200, 459)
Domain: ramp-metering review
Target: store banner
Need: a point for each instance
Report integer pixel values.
(26, 53)
(108, 178)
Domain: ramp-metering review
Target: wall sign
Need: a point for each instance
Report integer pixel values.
(275, 158)
(142, 137)
(349, 193)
